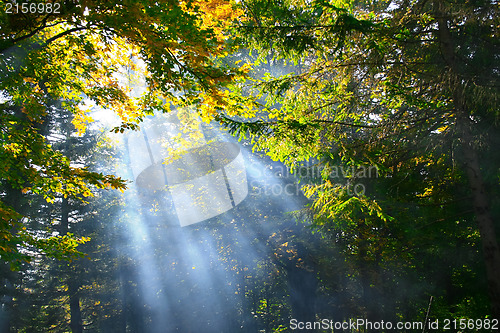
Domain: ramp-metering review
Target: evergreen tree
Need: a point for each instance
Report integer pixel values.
(408, 88)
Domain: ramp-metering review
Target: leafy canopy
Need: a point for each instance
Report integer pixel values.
(80, 57)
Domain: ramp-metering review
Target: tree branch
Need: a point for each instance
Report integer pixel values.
(62, 34)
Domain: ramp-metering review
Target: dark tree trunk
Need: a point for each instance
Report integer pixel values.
(6, 303)
(74, 306)
(302, 284)
(73, 285)
(484, 220)
(368, 272)
(14, 199)
(480, 201)
(133, 311)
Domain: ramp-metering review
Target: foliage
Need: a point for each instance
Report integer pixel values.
(409, 89)
(77, 59)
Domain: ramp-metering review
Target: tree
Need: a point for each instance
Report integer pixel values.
(58, 294)
(409, 88)
(75, 54)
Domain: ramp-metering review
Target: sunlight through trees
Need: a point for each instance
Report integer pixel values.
(366, 184)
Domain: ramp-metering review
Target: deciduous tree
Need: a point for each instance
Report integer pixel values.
(76, 54)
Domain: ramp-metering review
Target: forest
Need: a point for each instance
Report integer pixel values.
(249, 166)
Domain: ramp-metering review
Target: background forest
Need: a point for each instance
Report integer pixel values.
(367, 130)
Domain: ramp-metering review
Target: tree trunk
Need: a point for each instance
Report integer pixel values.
(484, 220)
(73, 285)
(14, 199)
(368, 270)
(6, 302)
(74, 306)
(303, 284)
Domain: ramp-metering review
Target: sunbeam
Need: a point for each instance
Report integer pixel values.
(194, 225)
